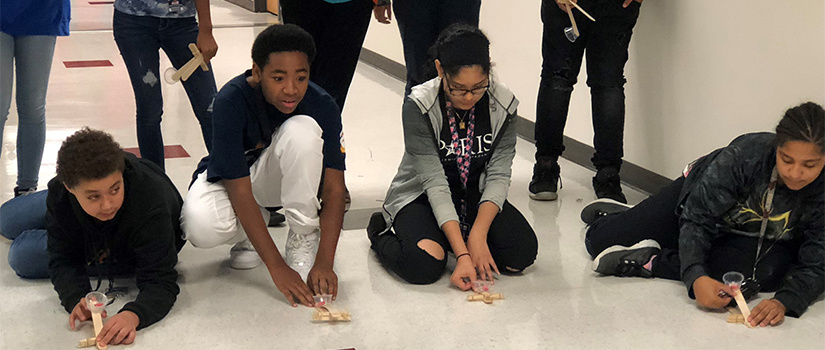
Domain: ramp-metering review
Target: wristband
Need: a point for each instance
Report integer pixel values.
(460, 255)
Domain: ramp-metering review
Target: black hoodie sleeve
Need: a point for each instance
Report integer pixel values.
(67, 262)
(806, 280)
(709, 199)
(155, 258)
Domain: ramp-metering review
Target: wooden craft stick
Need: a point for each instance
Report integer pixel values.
(743, 306)
(98, 323)
(197, 61)
(582, 10)
(486, 297)
(572, 20)
(196, 52)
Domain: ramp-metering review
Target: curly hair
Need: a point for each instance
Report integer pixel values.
(282, 38)
(805, 122)
(88, 155)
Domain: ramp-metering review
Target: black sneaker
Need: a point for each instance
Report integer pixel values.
(376, 225)
(601, 208)
(627, 261)
(275, 218)
(608, 184)
(546, 180)
(24, 191)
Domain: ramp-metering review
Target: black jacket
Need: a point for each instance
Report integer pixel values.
(144, 237)
(723, 194)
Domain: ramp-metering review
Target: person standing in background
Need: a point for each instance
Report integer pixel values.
(420, 22)
(606, 41)
(28, 33)
(141, 29)
(338, 28)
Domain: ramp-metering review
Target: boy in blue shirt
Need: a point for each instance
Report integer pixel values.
(277, 142)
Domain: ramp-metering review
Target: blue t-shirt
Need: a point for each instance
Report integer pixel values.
(157, 8)
(243, 124)
(41, 17)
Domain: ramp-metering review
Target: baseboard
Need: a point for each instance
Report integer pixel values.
(575, 151)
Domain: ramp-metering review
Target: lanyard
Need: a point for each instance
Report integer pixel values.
(766, 213)
(464, 156)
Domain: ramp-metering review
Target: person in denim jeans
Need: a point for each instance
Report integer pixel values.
(606, 41)
(141, 28)
(420, 22)
(28, 32)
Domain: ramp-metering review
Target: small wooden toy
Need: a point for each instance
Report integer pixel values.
(486, 297)
(325, 313)
(172, 76)
(734, 280)
(96, 302)
(85, 343)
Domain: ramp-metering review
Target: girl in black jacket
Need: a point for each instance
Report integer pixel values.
(755, 206)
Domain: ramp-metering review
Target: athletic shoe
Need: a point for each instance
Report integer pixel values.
(627, 261)
(608, 184)
(546, 180)
(24, 191)
(301, 250)
(243, 256)
(600, 208)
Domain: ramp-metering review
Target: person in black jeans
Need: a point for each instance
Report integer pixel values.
(606, 42)
(450, 192)
(710, 221)
(338, 28)
(420, 22)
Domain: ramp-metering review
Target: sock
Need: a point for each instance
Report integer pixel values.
(649, 265)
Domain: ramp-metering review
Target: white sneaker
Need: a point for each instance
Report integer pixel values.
(301, 250)
(243, 256)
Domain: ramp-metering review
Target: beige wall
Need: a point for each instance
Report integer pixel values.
(700, 71)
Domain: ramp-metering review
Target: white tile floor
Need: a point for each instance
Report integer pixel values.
(558, 303)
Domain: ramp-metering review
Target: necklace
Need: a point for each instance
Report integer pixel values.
(461, 124)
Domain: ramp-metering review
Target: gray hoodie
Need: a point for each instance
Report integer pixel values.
(421, 171)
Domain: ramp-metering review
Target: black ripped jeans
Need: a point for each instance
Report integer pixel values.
(511, 240)
(606, 42)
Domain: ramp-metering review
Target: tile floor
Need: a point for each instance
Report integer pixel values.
(557, 304)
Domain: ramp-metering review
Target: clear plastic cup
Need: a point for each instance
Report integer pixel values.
(322, 299)
(96, 301)
(168, 74)
(570, 34)
(733, 279)
(482, 285)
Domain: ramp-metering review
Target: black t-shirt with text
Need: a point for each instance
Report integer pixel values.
(480, 153)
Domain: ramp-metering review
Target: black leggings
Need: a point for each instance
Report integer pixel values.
(511, 240)
(655, 218)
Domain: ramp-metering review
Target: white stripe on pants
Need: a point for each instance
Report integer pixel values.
(288, 174)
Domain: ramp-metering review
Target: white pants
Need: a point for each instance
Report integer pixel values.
(288, 174)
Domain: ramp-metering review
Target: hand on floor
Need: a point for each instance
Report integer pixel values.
(464, 274)
(707, 293)
(482, 260)
(323, 280)
(768, 312)
(290, 284)
(120, 329)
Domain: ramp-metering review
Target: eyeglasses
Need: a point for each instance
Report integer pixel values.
(463, 92)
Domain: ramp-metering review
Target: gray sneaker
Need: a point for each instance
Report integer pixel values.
(600, 208)
(627, 261)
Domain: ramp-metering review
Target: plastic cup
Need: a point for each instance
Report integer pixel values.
(570, 34)
(733, 279)
(322, 299)
(96, 301)
(167, 75)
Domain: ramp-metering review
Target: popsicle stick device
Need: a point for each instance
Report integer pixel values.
(734, 280)
(324, 312)
(96, 302)
(173, 76)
